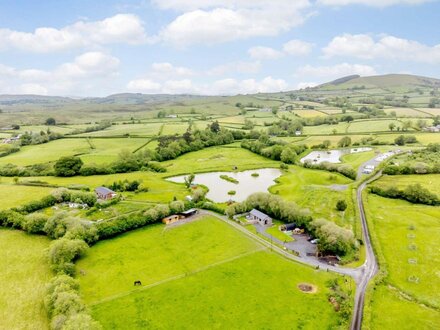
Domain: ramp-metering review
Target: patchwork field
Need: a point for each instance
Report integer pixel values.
(405, 237)
(429, 181)
(23, 275)
(212, 269)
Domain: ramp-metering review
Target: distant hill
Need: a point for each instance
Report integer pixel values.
(389, 81)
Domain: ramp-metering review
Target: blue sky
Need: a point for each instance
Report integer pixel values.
(96, 48)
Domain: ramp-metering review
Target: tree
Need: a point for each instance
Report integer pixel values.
(400, 140)
(68, 166)
(288, 156)
(344, 142)
(51, 121)
(189, 180)
(392, 126)
(215, 127)
(341, 205)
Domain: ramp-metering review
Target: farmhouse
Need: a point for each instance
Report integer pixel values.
(105, 193)
(171, 219)
(260, 217)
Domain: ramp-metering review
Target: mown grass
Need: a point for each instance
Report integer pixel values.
(225, 283)
(24, 273)
(357, 159)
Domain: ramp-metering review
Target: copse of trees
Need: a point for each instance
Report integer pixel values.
(68, 166)
(343, 169)
(275, 150)
(332, 238)
(32, 138)
(401, 140)
(413, 193)
(425, 161)
(50, 121)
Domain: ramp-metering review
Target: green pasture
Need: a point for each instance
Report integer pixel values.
(390, 309)
(405, 237)
(143, 129)
(312, 189)
(309, 113)
(221, 275)
(361, 126)
(357, 159)
(405, 112)
(24, 273)
(16, 195)
(429, 181)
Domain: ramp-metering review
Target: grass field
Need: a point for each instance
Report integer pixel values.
(406, 238)
(23, 275)
(392, 310)
(206, 274)
(429, 181)
(16, 195)
(357, 159)
(311, 189)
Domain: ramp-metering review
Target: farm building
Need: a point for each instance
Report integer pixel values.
(105, 193)
(260, 217)
(171, 219)
(188, 213)
(288, 227)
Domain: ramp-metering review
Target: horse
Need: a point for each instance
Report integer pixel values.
(137, 283)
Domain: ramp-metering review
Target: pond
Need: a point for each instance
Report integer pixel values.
(247, 183)
(331, 156)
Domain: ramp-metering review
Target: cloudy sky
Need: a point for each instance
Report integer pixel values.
(96, 48)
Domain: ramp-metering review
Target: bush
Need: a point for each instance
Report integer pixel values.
(34, 223)
(413, 193)
(63, 252)
(341, 205)
(332, 238)
(68, 166)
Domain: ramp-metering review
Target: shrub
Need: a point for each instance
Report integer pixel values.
(34, 223)
(341, 205)
(63, 252)
(68, 166)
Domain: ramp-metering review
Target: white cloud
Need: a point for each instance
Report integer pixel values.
(297, 47)
(168, 69)
(86, 74)
(389, 47)
(264, 53)
(227, 86)
(372, 3)
(335, 71)
(236, 67)
(144, 86)
(303, 85)
(121, 28)
(211, 22)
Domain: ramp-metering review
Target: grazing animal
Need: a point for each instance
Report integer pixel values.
(82, 272)
(137, 283)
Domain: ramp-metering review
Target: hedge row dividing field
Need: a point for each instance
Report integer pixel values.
(206, 274)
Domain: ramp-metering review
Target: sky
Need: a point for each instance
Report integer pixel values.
(210, 47)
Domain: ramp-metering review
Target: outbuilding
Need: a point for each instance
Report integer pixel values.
(260, 217)
(105, 193)
(171, 219)
(188, 213)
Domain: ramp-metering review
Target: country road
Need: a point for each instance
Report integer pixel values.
(362, 275)
(370, 266)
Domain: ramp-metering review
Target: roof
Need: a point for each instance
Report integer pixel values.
(189, 211)
(104, 191)
(259, 214)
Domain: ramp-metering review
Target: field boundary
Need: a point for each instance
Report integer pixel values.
(177, 277)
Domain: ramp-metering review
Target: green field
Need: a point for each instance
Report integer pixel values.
(311, 189)
(16, 195)
(405, 237)
(429, 181)
(205, 273)
(23, 275)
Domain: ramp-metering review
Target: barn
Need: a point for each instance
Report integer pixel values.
(260, 217)
(104, 193)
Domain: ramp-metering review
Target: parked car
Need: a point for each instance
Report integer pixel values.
(315, 241)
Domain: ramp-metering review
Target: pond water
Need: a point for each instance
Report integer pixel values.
(331, 156)
(247, 184)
